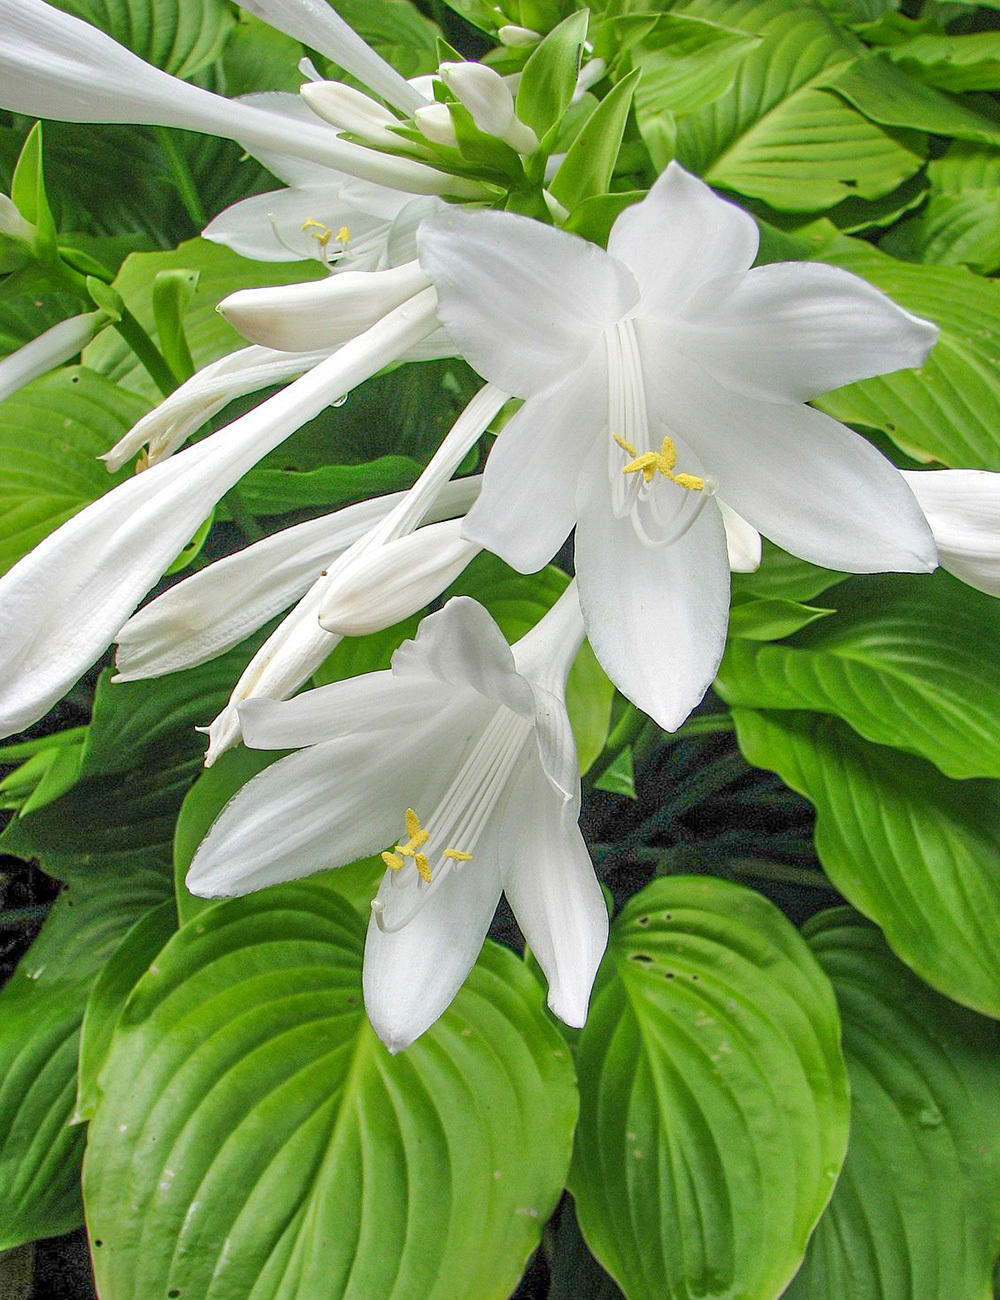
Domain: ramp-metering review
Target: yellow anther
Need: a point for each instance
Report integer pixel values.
(343, 234)
(423, 867)
(651, 463)
(143, 460)
(417, 837)
(322, 234)
(457, 855)
(392, 861)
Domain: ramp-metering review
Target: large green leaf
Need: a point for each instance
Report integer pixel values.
(916, 1213)
(778, 135)
(911, 661)
(949, 409)
(220, 272)
(51, 434)
(255, 1138)
(952, 62)
(180, 36)
(917, 853)
(713, 1115)
(41, 1007)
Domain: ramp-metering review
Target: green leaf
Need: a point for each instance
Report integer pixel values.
(243, 1072)
(912, 850)
(41, 1007)
(549, 77)
(915, 1211)
(772, 619)
(952, 62)
(586, 170)
(220, 272)
(882, 91)
(949, 409)
(110, 991)
(910, 661)
(180, 36)
(257, 57)
(397, 30)
(859, 12)
(711, 1081)
(779, 135)
(27, 190)
(51, 433)
(172, 292)
(267, 491)
(619, 776)
(783, 577)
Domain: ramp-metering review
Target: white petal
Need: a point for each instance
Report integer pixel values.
(320, 27)
(791, 330)
(462, 646)
(322, 807)
(656, 618)
(528, 504)
(742, 541)
(268, 227)
(550, 884)
(526, 303)
(410, 977)
(56, 66)
(963, 509)
(808, 483)
(61, 606)
(680, 235)
(49, 350)
(320, 313)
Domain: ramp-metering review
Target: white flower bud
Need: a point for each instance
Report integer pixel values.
(435, 124)
(486, 95)
(350, 110)
(12, 223)
(515, 37)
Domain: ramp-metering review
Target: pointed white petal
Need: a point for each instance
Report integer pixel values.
(808, 483)
(528, 503)
(320, 27)
(742, 541)
(656, 618)
(462, 646)
(963, 509)
(49, 350)
(268, 227)
(410, 977)
(525, 303)
(550, 884)
(56, 66)
(791, 330)
(62, 605)
(322, 807)
(679, 236)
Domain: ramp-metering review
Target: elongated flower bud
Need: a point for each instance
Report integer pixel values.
(350, 110)
(515, 37)
(435, 124)
(485, 94)
(49, 350)
(12, 224)
(320, 313)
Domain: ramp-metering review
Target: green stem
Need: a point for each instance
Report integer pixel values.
(781, 872)
(183, 179)
(147, 352)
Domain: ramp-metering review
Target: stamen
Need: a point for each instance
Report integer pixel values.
(392, 861)
(343, 235)
(322, 234)
(457, 855)
(651, 463)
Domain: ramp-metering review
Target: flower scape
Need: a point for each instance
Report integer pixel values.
(499, 649)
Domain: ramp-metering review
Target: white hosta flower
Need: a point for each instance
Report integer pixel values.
(61, 606)
(320, 313)
(657, 373)
(460, 764)
(211, 611)
(963, 509)
(169, 425)
(49, 350)
(485, 94)
(299, 644)
(56, 66)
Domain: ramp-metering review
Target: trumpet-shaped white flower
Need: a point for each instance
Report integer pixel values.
(299, 644)
(56, 66)
(963, 509)
(61, 606)
(216, 608)
(657, 374)
(49, 350)
(461, 760)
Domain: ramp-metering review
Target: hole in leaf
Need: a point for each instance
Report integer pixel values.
(644, 957)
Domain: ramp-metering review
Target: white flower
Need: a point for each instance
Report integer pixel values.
(656, 373)
(61, 606)
(299, 644)
(49, 350)
(56, 66)
(461, 760)
(486, 95)
(963, 509)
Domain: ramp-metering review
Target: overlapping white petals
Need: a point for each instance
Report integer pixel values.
(743, 542)
(524, 303)
(962, 507)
